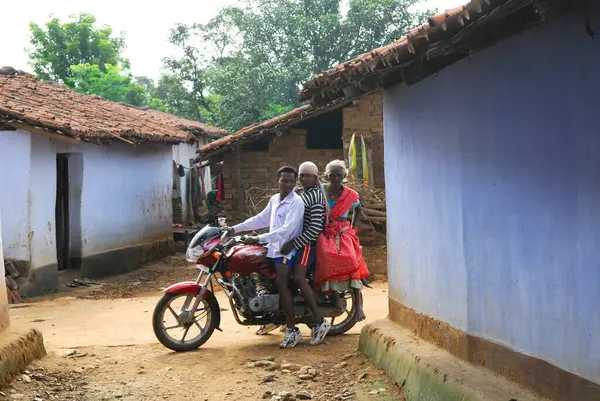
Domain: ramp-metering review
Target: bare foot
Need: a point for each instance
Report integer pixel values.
(360, 315)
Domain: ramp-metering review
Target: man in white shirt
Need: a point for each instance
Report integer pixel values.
(284, 215)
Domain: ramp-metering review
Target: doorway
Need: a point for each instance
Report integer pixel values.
(63, 252)
(69, 189)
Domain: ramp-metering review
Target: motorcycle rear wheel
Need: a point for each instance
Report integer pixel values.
(208, 308)
(350, 321)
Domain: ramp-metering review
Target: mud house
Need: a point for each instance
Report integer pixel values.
(252, 155)
(491, 162)
(86, 183)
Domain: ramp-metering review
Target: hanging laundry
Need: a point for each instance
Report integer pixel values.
(352, 156)
(220, 189)
(353, 170)
(202, 187)
(365, 162)
(196, 189)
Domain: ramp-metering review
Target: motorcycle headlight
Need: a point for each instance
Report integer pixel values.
(193, 254)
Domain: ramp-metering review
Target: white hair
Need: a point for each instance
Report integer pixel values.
(336, 164)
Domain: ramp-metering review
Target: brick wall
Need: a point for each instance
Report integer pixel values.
(367, 119)
(258, 169)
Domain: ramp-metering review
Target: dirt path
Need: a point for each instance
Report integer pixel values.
(114, 355)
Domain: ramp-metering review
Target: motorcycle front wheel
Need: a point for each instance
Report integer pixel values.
(180, 329)
(347, 320)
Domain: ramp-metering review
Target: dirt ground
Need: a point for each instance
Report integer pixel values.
(101, 347)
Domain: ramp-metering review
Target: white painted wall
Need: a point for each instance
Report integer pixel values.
(4, 321)
(182, 154)
(42, 201)
(14, 192)
(125, 195)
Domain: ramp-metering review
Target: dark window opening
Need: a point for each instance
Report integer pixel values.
(324, 132)
(259, 145)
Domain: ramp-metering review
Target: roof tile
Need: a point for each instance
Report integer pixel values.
(52, 106)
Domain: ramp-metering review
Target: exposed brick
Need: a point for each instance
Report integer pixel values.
(258, 168)
(367, 119)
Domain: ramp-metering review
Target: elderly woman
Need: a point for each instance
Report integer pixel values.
(340, 263)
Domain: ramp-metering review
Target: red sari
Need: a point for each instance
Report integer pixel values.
(339, 255)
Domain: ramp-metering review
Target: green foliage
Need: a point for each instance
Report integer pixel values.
(274, 110)
(57, 46)
(112, 84)
(255, 56)
(244, 66)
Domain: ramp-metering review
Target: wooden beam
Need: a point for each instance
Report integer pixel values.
(45, 133)
(374, 213)
(121, 139)
(377, 219)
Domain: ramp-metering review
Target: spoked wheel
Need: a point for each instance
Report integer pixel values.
(347, 320)
(179, 328)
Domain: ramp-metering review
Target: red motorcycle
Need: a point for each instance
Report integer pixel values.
(188, 313)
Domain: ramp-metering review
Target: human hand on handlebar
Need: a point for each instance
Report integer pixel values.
(250, 240)
(229, 231)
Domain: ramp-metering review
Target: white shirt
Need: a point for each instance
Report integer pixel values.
(284, 219)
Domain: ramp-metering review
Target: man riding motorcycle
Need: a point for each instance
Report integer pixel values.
(304, 244)
(284, 215)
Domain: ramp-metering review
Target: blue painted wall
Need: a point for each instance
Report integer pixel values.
(493, 168)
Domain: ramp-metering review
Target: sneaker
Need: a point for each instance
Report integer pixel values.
(266, 328)
(291, 339)
(319, 332)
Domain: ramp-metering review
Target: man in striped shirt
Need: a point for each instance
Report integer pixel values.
(304, 244)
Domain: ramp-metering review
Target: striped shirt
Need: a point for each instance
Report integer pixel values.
(314, 217)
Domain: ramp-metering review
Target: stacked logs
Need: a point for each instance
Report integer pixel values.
(373, 229)
(12, 288)
(376, 212)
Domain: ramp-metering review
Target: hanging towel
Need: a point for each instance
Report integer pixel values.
(202, 187)
(352, 156)
(365, 163)
(220, 189)
(197, 188)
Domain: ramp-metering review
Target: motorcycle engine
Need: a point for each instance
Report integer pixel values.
(264, 302)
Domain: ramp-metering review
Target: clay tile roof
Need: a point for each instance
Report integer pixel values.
(193, 127)
(444, 39)
(50, 106)
(256, 131)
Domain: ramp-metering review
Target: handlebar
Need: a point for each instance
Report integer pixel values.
(241, 239)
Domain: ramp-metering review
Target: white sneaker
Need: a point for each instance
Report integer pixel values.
(291, 339)
(319, 332)
(266, 328)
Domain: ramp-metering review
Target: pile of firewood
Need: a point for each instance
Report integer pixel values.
(372, 230)
(12, 287)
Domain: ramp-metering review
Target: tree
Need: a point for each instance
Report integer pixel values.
(88, 59)
(112, 84)
(57, 46)
(255, 56)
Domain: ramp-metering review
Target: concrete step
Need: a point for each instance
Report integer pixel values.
(427, 372)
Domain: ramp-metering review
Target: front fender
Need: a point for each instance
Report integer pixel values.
(192, 288)
(187, 287)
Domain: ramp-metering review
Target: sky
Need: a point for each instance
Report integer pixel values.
(146, 25)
